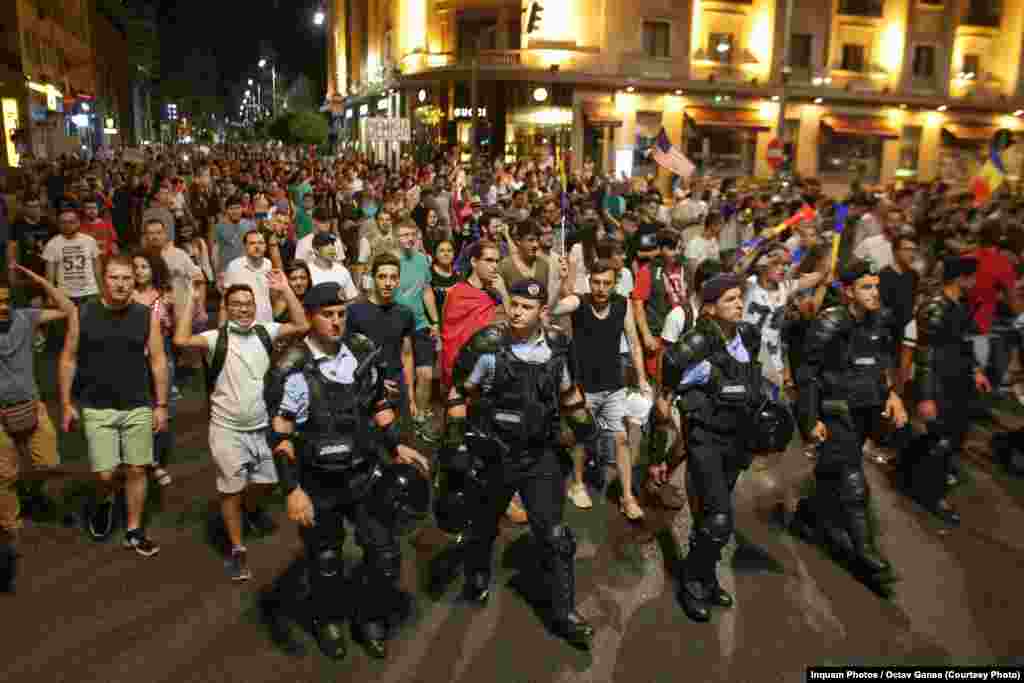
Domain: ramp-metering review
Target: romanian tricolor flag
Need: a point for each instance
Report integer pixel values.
(993, 173)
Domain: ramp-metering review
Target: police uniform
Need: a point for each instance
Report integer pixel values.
(842, 383)
(717, 385)
(332, 401)
(945, 368)
(507, 444)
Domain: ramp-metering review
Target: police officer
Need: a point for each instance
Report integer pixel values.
(845, 394)
(332, 418)
(713, 374)
(946, 378)
(511, 382)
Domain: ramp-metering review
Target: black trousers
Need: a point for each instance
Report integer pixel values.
(715, 462)
(926, 463)
(538, 474)
(372, 593)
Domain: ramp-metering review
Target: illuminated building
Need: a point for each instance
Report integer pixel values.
(865, 79)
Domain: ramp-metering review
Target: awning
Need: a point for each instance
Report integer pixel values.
(867, 126)
(963, 131)
(727, 118)
(599, 116)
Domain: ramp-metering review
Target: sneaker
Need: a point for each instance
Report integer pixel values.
(238, 566)
(579, 496)
(136, 540)
(101, 522)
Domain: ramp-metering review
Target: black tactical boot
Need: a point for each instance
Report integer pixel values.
(718, 596)
(566, 622)
(693, 595)
(864, 551)
(330, 635)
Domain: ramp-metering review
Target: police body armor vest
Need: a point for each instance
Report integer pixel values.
(336, 430)
(524, 397)
(732, 393)
(856, 364)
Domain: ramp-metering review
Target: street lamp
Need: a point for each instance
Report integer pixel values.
(319, 17)
(273, 82)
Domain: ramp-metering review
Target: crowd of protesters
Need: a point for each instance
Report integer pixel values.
(144, 267)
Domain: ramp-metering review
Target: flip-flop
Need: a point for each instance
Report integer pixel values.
(161, 476)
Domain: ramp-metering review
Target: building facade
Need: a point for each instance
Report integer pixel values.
(887, 88)
(63, 79)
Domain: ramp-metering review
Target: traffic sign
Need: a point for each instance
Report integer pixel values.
(775, 154)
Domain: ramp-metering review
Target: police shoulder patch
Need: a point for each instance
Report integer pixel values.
(360, 345)
(488, 339)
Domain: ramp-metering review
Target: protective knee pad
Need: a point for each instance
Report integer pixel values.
(329, 562)
(718, 525)
(561, 540)
(942, 448)
(853, 489)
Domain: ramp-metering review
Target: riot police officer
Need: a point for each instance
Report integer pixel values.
(332, 417)
(511, 382)
(945, 380)
(713, 374)
(845, 393)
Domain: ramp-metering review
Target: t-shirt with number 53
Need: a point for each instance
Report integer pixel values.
(73, 259)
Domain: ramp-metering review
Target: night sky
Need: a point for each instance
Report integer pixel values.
(238, 31)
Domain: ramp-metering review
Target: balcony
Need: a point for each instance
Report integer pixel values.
(418, 62)
(980, 18)
(645, 66)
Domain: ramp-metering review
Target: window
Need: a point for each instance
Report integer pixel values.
(910, 150)
(924, 61)
(470, 31)
(800, 51)
(861, 8)
(984, 13)
(720, 47)
(656, 35)
(843, 155)
(853, 58)
(972, 66)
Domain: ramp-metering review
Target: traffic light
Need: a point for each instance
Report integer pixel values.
(534, 19)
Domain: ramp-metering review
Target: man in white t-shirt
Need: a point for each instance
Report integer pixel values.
(252, 270)
(705, 246)
(72, 258)
(325, 267)
(878, 248)
(238, 414)
(304, 249)
(185, 274)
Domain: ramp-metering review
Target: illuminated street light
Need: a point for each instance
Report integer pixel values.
(262, 63)
(319, 17)
(250, 81)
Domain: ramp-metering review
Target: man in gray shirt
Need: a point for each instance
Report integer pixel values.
(226, 240)
(160, 209)
(27, 431)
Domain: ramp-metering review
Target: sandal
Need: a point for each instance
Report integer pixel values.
(631, 510)
(161, 476)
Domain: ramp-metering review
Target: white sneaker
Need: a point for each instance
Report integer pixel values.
(579, 496)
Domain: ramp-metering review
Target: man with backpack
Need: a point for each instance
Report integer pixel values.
(238, 357)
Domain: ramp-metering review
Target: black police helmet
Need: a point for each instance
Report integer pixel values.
(773, 428)
(401, 497)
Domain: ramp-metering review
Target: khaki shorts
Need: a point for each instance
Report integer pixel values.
(118, 437)
(41, 445)
(242, 458)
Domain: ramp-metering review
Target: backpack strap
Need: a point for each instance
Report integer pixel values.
(216, 364)
(264, 336)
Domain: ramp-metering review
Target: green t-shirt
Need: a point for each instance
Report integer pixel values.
(303, 222)
(416, 277)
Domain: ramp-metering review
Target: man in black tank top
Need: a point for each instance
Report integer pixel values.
(599, 320)
(113, 362)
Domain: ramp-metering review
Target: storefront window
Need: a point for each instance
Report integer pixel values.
(910, 151)
(960, 160)
(722, 151)
(845, 155)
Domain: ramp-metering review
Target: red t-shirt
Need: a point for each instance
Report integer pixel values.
(675, 285)
(104, 233)
(995, 273)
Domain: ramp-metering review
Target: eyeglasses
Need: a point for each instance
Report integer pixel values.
(241, 305)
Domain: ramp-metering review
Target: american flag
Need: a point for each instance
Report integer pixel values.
(668, 157)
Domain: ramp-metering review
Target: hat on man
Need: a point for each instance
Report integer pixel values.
(713, 289)
(324, 294)
(955, 266)
(855, 270)
(529, 288)
(322, 239)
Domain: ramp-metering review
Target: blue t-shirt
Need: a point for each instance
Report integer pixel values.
(415, 279)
